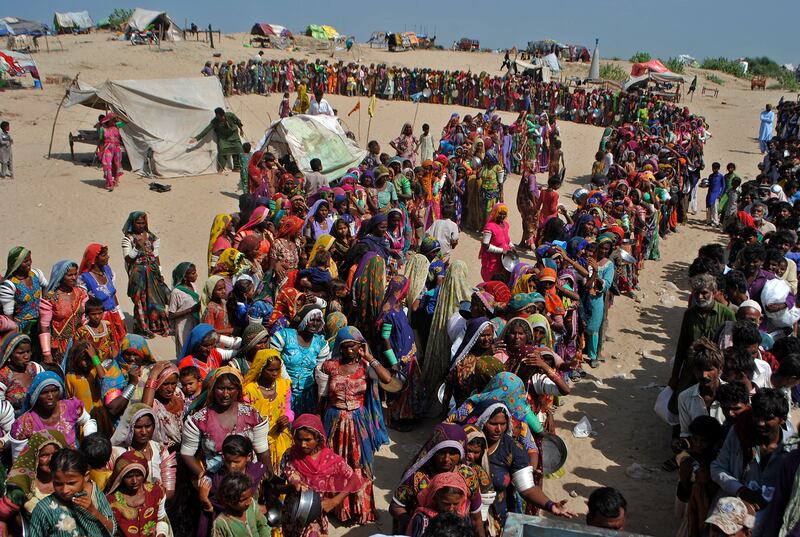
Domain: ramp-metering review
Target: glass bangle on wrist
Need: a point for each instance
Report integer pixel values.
(549, 506)
(127, 393)
(96, 360)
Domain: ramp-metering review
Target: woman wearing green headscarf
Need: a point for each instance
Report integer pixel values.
(21, 291)
(146, 287)
(184, 303)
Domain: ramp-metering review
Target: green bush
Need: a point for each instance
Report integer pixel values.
(715, 79)
(119, 17)
(725, 65)
(612, 71)
(788, 81)
(764, 66)
(640, 57)
(675, 65)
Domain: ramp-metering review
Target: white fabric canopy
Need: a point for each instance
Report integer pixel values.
(308, 137)
(79, 19)
(160, 117)
(142, 18)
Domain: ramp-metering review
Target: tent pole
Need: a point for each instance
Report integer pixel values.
(359, 122)
(369, 126)
(211, 35)
(55, 119)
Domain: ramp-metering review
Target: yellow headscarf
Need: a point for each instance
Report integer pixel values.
(261, 359)
(525, 284)
(217, 229)
(215, 376)
(325, 242)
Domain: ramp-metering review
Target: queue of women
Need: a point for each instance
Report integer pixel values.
(318, 329)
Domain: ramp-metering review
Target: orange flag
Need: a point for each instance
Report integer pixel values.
(355, 109)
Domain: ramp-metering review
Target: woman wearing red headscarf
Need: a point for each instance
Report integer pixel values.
(285, 252)
(311, 464)
(446, 493)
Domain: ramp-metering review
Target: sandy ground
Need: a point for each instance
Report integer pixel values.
(56, 207)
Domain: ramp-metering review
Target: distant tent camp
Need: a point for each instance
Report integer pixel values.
(160, 117)
(306, 137)
(653, 66)
(17, 26)
(265, 29)
(322, 32)
(75, 21)
(667, 77)
(159, 21)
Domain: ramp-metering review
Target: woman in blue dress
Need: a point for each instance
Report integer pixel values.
(302, 346)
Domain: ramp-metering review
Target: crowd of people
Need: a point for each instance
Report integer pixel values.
(336, 309)
(514, 92)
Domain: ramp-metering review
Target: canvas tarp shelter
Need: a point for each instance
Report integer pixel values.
(17, 26)
(667, 77)
(79, 20)
(17, 63)
(306, 137)
(160, 117)
(265, 29)
(141, 19)
(653, 66)
(537, 65)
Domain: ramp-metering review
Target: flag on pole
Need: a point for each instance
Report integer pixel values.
(373, 102)
(355, 109)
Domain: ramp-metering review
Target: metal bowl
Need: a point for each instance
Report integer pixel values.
(397, 384)
(626, 257)
(510, 260)
(554, 453)
(274, 512)
(302, 507)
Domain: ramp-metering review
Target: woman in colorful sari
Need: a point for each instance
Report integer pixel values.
(146, 287)
(125, 375)
(284, 255)
(400, 350)
(206, 349)
(353, 416)
(45, 408)
(162, 394)
(255, 226)
(369, 287)
(17, 370)
(30, 479)
(597, 288)
(445, 451)
(21, 290)
(221, 412)
(60, 312)
(528, 205)
(510, 465)
(453, 291)
(97, 278)
(184, 303)
(310, 464)
(110, 150)
(271, 395)
(79, 508)
(302, 347)
(220, 238)
(473, 364)
(319, 220)
(495, 242)
(139, 431)
(137, 502)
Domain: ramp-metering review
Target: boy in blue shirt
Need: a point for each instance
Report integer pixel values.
(716, 188)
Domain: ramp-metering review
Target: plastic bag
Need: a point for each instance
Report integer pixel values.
(582, 429)
(661, 408)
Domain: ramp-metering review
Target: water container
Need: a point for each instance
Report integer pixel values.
(37, 84)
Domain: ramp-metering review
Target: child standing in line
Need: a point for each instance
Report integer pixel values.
(716, 188)
(98, 331)
(243, 177)
(284, 110)
(426, 144)
(6, 160)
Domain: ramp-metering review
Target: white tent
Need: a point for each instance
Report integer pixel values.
(537, 65)
(667, 77)
(79, 20)
(142, 18)
(160, 117)
(308, 137)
